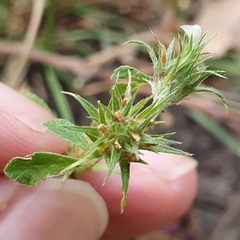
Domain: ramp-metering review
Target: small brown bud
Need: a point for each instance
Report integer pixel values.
(163, 56)
(102, 128)
(151, 121)
(105, 148)
(124, 101)
(117, 144)
(118, 117)
(131, 157)
(135, 136)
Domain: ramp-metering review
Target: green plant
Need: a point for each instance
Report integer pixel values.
(120, 130)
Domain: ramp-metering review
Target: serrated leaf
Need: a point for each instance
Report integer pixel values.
(125, 175)
(58, 127)
(37, 100)
(137, 76)
(114, 159)
(36, 167)
(91, 110)
(92, 132)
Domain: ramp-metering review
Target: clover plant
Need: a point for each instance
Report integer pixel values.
(119, 130)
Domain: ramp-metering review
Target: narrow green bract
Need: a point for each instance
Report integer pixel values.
(119, 130)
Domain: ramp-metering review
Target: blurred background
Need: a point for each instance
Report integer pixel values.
(54, 45)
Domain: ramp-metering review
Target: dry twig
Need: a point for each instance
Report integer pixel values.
(13, 77)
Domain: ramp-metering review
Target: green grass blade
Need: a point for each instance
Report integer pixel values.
(216, 130)
(60, 99)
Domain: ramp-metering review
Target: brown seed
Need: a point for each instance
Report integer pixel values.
(135, 136)
(124, 102)
(118, 117)
(105, 148)
(131, 157)
(102, 128)
(117, 144)
(163, 56)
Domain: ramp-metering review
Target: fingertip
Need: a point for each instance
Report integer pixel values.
(18, 139)
(54, 210)
(22, 132)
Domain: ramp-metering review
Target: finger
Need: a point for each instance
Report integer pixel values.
(22, 132)
(158, 193)
(52, 210)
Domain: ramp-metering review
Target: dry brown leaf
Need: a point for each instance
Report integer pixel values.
(222, 16)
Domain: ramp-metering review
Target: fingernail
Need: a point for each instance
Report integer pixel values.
(52, 210)
(23, 119)
(80, 188)
(169, 166)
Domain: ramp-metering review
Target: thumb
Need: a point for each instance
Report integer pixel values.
(51, 210)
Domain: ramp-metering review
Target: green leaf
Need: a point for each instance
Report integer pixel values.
(36, 167)
(129, 105)
(150, 51)
(58, 127)
(37, 100)
(136, 108)
(170, 51)
(92, 132)
(153, 110)
(166, 149)
(102, 114)
(137, 76)
(115, 102)
(114, 159)
(92, 111)
(214, 91)
(157, 139)
(125, 175)
(165, 135)
(122, 86)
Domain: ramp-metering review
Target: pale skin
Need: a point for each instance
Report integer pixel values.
(158, 193)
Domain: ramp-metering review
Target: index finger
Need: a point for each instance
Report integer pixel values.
(21, 131)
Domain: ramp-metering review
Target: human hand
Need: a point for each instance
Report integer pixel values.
(158, 192)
